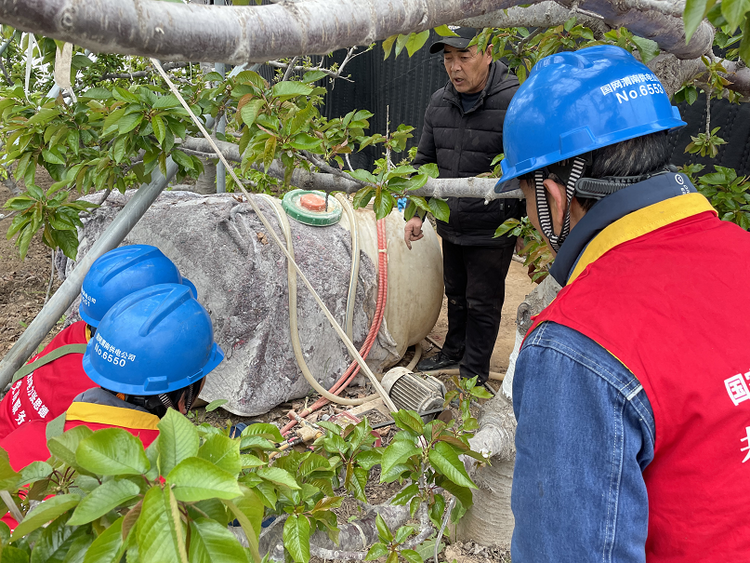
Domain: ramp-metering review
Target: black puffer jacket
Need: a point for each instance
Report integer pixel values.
(463, 145)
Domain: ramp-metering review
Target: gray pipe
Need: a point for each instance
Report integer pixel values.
(9, 41)
(71, 287)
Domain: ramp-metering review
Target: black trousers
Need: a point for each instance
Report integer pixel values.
(474, 278)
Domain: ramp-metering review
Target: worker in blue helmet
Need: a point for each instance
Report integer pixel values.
(151, 352)
(632, 389)
(45, 387)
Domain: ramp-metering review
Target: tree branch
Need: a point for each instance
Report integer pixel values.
(278, 64)
(141, 73)
(232, 34)
(335, 180)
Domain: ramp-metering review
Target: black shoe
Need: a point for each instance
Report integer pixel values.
(438, 361)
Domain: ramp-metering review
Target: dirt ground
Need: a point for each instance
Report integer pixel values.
(24, 286)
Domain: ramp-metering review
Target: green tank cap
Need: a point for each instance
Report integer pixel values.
(308, 207)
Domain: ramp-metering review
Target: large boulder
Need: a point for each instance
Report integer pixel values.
(219, 243)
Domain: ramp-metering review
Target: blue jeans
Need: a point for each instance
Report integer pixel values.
(585, 434)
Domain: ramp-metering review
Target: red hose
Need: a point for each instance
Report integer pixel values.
(377, 320)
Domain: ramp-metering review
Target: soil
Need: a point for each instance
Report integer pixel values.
(24, 286)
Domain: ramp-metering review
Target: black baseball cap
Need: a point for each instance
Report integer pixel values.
(465, 35)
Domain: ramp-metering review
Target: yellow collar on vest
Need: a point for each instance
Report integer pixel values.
(113, 416)
(639, 223)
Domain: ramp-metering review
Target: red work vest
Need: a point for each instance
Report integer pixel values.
(665, 291)
(29, 442)
(48, 391)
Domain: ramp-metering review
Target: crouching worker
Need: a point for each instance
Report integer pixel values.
(45, 387)
(167, 348)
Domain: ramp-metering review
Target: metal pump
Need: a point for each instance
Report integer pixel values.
(413, 392)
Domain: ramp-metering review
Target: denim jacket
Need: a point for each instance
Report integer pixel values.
(585, 434)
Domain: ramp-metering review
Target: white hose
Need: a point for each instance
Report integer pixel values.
(354, 272)
(293, 317)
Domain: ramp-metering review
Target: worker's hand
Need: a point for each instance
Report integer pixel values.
(520, 243)
(413, 231)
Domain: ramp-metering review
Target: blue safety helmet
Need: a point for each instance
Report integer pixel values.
(576, 102)
(122, 271)
(154, 341)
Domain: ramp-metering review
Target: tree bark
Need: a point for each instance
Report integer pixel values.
(237, 34)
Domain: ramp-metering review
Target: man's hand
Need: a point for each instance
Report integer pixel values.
(413, 230)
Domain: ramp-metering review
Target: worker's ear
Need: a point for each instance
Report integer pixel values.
(558, 202)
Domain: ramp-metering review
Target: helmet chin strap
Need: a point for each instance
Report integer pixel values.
(543, 210)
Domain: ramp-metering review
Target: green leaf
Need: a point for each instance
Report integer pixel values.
(251, 531)
(409, 420)
(444, 458)
(165, 102)
(156, 531)
(55, 541)
(96, 94)
(411, 556)
(439, 209)
(160, 130)
(388, 46)
(67, 240)
(402, 533)
(269, 152)
(178, 440)
(305, 142)
(250, 111)
(693, 15)
(416, 41)
(264, 430)
(65, 445)
(396, 454)
(196, 479)
(31, 473)
(79, 547)
(744, 50)
(112, 451)
(400, 42)
(52, 156)
(384, 203)
(297, 537)
(368, 459)
(43, 513)
(445, 31)
(211, 542)
(182, 159)
(248, 461)
(129, 122)
(377, 551)
(43, 116)
(101, 500)
(313, 76)
(9, 479)
(222, 451)
(384, 532)
(213, 405)
(734, 11)
(290, 89)
(647, 48)
(108, 547)
(279, 477)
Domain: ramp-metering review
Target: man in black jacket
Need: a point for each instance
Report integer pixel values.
(462, 134)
